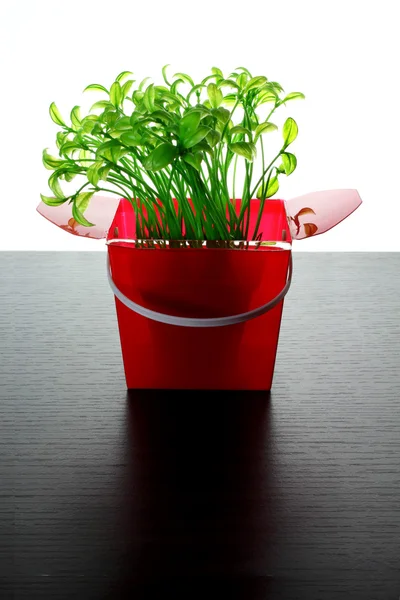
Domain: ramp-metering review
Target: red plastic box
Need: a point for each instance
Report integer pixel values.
(203, 317)
(200, 283)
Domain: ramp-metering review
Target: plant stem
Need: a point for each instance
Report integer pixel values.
(261, 209)
(265, 171)
(234, 177)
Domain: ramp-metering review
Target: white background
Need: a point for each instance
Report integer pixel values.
(344, 55)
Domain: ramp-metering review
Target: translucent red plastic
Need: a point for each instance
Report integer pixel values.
(203, 282)
(317, 212)
(309, 215)
(200, 282)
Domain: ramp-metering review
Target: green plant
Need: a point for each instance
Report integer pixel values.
(156, 143)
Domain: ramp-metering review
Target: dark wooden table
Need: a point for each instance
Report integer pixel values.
(108, 495)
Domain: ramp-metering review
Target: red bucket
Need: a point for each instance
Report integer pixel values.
(200, 317)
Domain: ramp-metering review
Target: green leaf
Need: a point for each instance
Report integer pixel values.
(110, 117)
(51, 201)
(137, 97)
(78, 216)
(228, 83)
(174, 87)
(70, 175)
(208, 78)
(131, 139)
(160, 157)
(69, 147)
(97, 129)
(242, 80)
(204, 146)
(244, 71)
(96, 87)
(195, 88)
(194, 160)
(276, 85)
(246, 149)
(175, 106)
(141, 85)
(202, 110)
(239, 129)
(55, 115)
(79, 140)
(104, 171)
(148, 98)
(273, 187)
(54, 185)
(221, 128)
(280, 169)
(266, 97)
(115, 133)
(124, 124)
(88, 123)
(164, 73)
(255, 82)
(208, 121)
(230, 99)
(188, 125)
(60, 138)
(138, 121)
(111, 151)
(116, 94)
(289, 162)
(164, 94)
(51, 162)
(185, 78)
(162, 115)
(85, 156)
(126, 88)
(215, 95)
(199, 135)
(161, 88)
(294, 96)
(100, 104)
(76, 117)
(290, 131)
(122, 75)
(213, 138)
(82, 201)
(264, 128)
(222, 114)
(216, 71)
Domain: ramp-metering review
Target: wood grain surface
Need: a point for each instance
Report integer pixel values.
(107, 494)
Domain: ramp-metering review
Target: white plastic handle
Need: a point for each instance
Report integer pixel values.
(199, 322)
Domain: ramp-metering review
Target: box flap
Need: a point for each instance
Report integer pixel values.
(317, 212)
(308, 215)
(100, 211)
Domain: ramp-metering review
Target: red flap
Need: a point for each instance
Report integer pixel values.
(317, 212)
(100, 211)
(308, 215)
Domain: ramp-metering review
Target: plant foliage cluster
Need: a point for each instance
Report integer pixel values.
(173, 150)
